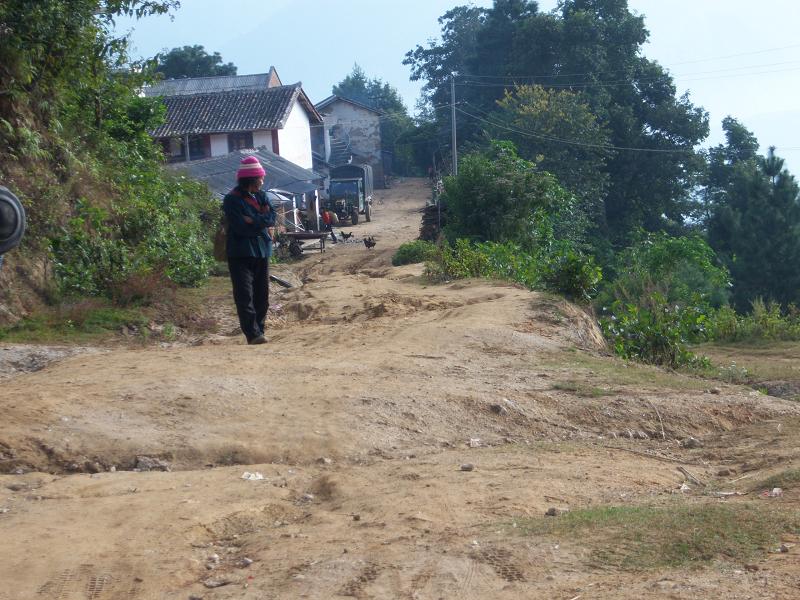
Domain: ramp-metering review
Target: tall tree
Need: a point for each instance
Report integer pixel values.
(755, 228)
(740, 146)
(538, 120)
(192, 61)
(591, 46)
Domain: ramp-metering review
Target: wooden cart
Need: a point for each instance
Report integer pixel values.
(296, 237)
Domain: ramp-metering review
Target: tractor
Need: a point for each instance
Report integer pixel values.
(350, 193)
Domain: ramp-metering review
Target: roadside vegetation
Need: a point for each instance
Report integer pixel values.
(171, 312)
(661, 297)
(116, 232)
(700, 247)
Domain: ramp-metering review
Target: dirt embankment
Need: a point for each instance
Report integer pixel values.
(375, 388)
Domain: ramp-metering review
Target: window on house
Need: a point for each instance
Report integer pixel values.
(173, 149)
(240, 140)
(199, 147)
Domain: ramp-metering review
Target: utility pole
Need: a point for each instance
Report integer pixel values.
(453, 121)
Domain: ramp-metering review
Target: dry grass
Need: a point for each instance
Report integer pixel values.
(610, 373)
(786, 480)
(583, 390)
(651, 537)
(764, 361)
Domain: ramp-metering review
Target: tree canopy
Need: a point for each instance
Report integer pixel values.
(588, 46)
(192, 61)
(537, 119)
(755, 221)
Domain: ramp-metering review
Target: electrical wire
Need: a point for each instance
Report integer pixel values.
(687, 62)
(625, 82)
(550, 138)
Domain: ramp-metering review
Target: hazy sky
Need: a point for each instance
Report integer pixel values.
(736, 57)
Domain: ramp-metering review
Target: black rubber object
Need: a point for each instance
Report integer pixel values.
(279, 281)
(12, 220)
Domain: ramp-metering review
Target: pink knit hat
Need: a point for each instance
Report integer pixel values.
(250, 167)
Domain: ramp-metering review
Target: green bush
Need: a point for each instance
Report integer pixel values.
(680, 268)
(656, 331)
(572, 274)
(663, 299)
(414, 252)
(565, 271)
(87, 258)
(155, 225)
(499, 197)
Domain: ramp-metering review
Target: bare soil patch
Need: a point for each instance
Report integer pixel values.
(373, 391)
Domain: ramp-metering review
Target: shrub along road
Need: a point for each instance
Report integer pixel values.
(405, 440)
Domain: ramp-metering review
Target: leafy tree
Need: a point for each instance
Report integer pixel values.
(356, 87)
(755, 228)
(740, 146)
(590, 46)
(192, 61)
(537, 120)
(49, 48)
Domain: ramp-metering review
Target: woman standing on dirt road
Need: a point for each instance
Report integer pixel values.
(249, 246)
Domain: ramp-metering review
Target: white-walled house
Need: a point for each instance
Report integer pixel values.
(212, 116)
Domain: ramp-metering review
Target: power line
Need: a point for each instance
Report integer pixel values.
(764, 51)
(622, 82)
(687, 62)
(550, 138)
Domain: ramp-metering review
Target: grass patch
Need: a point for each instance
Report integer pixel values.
(785, 480)
(763, 360)
(611, 372)
(84, 321)
(582, 389)
(414, 252)
(96, 320)
(646, 537)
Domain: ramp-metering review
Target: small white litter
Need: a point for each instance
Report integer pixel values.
(252, 476)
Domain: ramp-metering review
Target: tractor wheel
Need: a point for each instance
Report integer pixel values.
(368, 213)
(295, 249)
(354, 216)
(12, 220)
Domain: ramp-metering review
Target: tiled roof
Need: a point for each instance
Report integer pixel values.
(206, 85)
(331, 99)
(224, 112)
(219, 173)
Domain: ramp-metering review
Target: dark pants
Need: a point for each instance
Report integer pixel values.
(329, 228)
(250, 279)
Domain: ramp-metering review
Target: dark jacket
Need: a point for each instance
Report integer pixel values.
(248, 239)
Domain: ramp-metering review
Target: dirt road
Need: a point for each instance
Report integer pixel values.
(375, 388)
